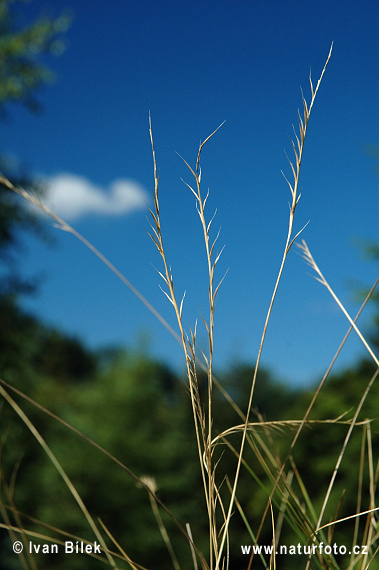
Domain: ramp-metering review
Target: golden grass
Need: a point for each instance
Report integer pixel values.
(282, 496)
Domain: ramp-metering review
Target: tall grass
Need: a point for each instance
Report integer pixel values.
(287, 502)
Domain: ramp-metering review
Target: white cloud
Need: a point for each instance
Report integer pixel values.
(73, 197)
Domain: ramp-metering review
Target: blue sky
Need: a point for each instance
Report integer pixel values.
(194, 65)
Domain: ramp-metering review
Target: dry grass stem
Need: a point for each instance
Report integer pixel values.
(298, 152)
(203, 421)
(321, 279)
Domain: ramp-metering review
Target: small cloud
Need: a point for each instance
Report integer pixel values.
(74, 197)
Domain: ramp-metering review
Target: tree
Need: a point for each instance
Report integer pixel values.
(138, 411)
(21, 70)
(21, 74)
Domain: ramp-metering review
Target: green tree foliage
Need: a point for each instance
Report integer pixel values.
(44, 364)
(21, 70)
(371, 251)
(26, 345)
(22, 73)
(318, 448)
(139, 412)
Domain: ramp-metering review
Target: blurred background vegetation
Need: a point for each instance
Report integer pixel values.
(136, 407)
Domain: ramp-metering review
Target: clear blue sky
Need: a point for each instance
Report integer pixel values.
(194, 64)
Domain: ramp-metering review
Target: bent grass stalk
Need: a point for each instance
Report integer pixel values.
(321, 279)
